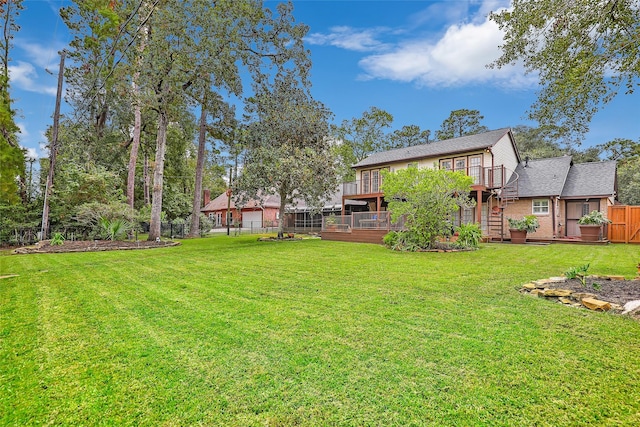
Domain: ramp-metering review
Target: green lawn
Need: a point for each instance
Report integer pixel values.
(232, 331)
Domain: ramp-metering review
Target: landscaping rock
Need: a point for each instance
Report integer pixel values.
(631, 306)
(615, 277)
(559, 279)
(604, 293)
(557, 292)
(581, 295)
(597, 305)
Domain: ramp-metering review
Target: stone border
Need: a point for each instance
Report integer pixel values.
(36, 249)
(551, 289)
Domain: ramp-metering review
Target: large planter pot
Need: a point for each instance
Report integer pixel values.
(590, 232)
(518, 236)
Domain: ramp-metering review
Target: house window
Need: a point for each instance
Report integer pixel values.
(375, 181)
(461, 165)
(541, 207)
(475, 168)
(366, 183)
(446, 164)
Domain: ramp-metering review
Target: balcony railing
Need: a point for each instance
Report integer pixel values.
(491, 177)
(380, 220)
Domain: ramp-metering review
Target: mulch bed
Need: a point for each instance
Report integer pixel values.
(92, 246)
(616, 291)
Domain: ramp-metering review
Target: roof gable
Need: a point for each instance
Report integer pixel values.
(436, 149)
(591, 180)
(543, 177)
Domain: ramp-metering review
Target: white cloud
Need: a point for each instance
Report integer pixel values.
(458, 56)
(23, 75)
(32, 153)
(43, 56)
(350, 38)
(23, 131)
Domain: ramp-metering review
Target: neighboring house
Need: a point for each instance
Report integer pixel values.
(253, 214)
(555, 190)
(301, 218)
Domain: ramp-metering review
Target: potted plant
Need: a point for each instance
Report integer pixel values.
(591, 226)
(330, 222)
(518, 228)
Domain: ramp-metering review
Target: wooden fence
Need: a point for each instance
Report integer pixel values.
(625, 224)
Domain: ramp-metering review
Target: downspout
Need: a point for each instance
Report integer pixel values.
(556, 214)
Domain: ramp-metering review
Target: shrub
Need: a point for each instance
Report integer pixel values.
(403, 241)
(469, 236)
(57, 239)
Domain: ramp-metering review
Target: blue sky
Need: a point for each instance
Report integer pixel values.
(416, 59)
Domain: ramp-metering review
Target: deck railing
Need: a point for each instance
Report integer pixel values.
(491, 177)
(380, 220)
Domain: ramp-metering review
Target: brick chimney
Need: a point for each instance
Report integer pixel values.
(207, 197)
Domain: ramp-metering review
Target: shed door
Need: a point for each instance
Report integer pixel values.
(575, 210)
(252, 219)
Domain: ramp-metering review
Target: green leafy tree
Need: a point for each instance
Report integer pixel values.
(408, 136)
(259, 36)
(584, 52)
(78, 185)
(426, 198)
(627, 153)
(629, 181)
(361, 136)
(288, 151)
(620, 149)
(536, 143)
(12, 157)
(460, 123)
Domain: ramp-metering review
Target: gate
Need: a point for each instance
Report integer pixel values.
(625, 224)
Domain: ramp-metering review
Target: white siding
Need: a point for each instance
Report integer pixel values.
(504, 154)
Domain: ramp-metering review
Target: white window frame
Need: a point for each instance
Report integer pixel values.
(540, 206)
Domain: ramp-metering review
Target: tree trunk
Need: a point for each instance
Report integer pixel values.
(197, 194)
(158, 177)
(133, 156)
(137, 122)
(54, 151)
(283, 200)
(147, 197)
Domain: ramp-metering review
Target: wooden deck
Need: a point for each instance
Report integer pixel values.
(355, 235)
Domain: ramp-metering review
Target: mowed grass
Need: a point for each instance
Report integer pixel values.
(232, 331)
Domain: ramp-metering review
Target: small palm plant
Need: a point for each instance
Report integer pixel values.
(114, 228)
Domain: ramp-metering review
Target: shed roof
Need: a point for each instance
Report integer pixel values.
(543, 177)
(438, 148)
(591, 180)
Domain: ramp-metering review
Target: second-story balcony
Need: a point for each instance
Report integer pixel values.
(493, 177)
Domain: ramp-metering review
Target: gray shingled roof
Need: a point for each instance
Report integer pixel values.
(220, 203)
(433, 149)
(543, 177)
(591, 179)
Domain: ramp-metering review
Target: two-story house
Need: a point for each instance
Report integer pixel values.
(503, 186)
